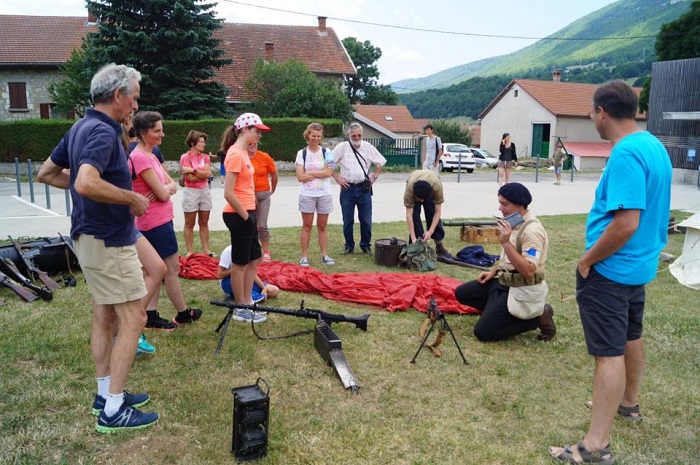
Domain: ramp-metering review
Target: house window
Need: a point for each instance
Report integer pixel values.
(515, 93)
(18, 95)
(389, 118)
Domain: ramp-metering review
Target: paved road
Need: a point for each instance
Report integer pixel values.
(474, 196)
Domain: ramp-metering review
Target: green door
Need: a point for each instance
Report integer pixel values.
(540, 140)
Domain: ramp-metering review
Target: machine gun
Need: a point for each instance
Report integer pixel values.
(326, 342)
(470, 223)
(26, 257)
(11, 269)
(15, 287)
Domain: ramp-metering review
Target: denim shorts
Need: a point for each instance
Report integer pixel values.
(611, 313)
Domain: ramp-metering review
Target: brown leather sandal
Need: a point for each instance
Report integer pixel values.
(579, 454)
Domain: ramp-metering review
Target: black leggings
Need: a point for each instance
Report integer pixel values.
(495, 322)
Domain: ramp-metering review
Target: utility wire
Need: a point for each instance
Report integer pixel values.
(393, 26)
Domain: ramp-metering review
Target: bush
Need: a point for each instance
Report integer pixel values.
(35, 139)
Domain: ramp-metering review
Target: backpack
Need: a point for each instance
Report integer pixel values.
(303, 155)
(418, 256)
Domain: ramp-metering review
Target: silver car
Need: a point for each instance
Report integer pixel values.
(484, 158)
(456, 156)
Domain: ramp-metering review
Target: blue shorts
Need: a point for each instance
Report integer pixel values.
(163, 239)
(611, 313)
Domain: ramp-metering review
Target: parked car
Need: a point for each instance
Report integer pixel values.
(484, 158)
(456, 155)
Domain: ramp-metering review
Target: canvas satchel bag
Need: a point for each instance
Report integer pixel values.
(527, 302)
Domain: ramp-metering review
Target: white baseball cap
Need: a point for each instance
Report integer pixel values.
(250, 119)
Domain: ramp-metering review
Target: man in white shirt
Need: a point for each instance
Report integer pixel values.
(355, 158)
(433, 149)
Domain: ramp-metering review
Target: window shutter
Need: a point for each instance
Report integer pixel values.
(18, 95)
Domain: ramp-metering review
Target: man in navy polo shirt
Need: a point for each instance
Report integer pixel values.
(90, 160)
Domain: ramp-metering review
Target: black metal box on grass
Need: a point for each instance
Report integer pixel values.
(251, 411)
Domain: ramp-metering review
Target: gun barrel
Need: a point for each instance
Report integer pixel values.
(469, 223)
(318, 315)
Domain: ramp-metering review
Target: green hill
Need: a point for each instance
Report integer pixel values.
(630, 27)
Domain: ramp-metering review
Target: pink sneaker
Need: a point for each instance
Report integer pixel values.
(266, 257)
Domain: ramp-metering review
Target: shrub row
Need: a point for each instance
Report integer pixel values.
(35, 139)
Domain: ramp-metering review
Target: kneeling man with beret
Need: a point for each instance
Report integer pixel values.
(512, 295)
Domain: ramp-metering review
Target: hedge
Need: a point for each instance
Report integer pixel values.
(36, 139)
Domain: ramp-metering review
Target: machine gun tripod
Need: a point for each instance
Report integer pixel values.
(434, 315)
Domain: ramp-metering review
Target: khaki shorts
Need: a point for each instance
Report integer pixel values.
(113, 274)
(194, 200)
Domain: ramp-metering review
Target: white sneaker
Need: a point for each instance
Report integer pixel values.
(304, 261)
(248, 316)
(328, 260)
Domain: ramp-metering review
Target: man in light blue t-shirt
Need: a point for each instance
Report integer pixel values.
(626, 231)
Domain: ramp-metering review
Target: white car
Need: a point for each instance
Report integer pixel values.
(456, 156)
(484, 158)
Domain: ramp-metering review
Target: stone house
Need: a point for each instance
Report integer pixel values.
(32, 48)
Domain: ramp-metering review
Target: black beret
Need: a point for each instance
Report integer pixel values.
(516, 193)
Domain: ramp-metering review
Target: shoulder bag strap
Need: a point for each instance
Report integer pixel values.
(359, 160)
(518, 242)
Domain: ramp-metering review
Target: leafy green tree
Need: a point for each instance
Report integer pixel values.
(677, 40)
(290, 89)
(170, 42)
(363, 88)
(450, 131)
(73, 93)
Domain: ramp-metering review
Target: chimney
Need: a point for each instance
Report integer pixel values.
(556, 76)
(322, 23)
(269, 48)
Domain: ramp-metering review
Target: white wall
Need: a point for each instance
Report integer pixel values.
(515, 115)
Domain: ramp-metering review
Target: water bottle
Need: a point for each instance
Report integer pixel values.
(330, 159)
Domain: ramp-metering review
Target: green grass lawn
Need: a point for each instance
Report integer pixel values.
(513, 400)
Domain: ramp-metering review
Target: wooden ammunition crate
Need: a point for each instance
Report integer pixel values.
(479, 234)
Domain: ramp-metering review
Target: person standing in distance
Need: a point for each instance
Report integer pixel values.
(433, 149)
(91, 161)
(507, 158)
(625, 232)
(354, 157)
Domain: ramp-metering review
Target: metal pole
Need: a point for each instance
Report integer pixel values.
(537, 169)
(48, 196)
(30, 173)
(67, 194)
(19, 184)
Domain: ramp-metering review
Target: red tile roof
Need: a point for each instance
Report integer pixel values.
(321, 52)
(395, 118)
(559, 98)
(40, 40)
(49, 40)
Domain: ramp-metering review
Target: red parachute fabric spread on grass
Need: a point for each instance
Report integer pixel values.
(392, 291)
(198, 266)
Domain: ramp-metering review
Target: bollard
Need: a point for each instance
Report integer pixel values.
(30, 175)
(48, 196)
(19, 184)
(67, 194)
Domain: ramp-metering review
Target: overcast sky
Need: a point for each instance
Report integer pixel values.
(406, 53)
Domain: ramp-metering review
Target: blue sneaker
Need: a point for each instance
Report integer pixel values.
(247, 316)
(257, 297)
(126, 419)
(144, 347)
(130, 400)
